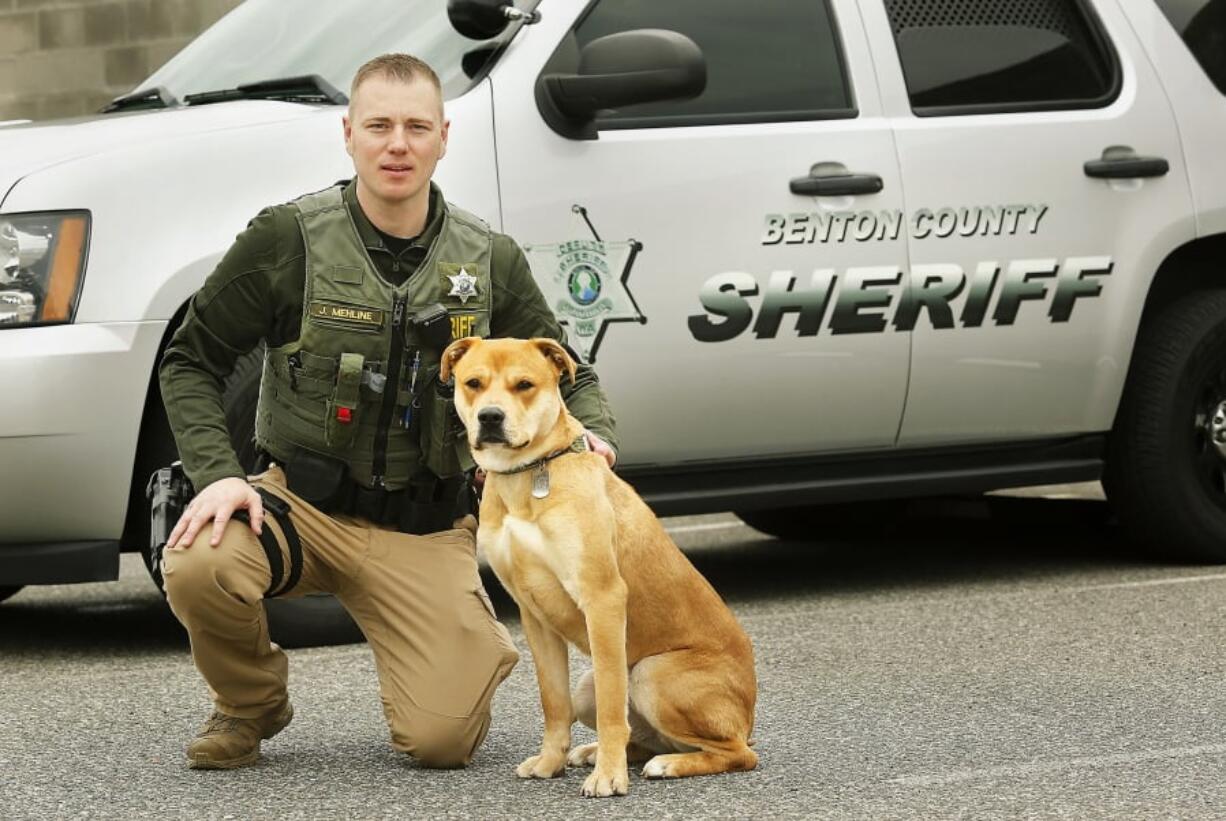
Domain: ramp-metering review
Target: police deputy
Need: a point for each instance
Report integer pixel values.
(354, 290)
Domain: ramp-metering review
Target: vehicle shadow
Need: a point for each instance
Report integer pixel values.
(947, 545)
(124, 618)
(956, 542)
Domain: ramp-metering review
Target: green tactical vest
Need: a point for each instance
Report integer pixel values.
(359, 383)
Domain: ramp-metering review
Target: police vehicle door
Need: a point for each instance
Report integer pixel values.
(1044, 183)
(726, 315)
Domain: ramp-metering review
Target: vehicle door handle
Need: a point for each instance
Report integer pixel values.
(838, 185)
(1127, 168)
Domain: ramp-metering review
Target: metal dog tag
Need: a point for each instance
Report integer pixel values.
(540, 482)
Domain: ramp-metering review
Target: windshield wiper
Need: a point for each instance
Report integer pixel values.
(309, 88)
(157, 97)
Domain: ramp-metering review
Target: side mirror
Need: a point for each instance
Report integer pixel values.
(479, 19)
(641, 66)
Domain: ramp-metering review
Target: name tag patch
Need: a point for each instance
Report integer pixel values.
(348, 314)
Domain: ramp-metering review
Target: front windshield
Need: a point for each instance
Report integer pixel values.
(272, 39)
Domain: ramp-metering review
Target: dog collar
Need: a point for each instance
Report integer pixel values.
(540, 481)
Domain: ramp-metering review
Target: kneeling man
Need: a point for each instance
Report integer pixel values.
(349, 289)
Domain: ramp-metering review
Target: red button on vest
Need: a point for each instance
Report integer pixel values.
(344, 415)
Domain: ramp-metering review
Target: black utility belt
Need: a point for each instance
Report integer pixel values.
(429, 504)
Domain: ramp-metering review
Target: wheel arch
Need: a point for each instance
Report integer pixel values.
(151, 443)
(1197, 265)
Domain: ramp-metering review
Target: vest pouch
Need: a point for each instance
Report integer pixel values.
(439, 432)
(321, 481)
(341, 425)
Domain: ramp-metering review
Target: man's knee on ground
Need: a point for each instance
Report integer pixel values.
(439, 742)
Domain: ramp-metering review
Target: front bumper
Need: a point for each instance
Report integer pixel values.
(58, 562)
(71, 399)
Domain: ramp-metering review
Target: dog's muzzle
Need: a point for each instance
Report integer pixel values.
(490, 427)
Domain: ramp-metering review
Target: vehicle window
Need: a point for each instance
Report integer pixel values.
(270, 39)
(1202, 25)
(968, 56)
(767, 60)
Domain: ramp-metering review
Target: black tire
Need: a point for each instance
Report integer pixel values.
(1164, 476)
(312, 620)
(316, 620)
(813, 523)
(9, 592)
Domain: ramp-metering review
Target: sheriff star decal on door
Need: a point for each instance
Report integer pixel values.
(584, 281)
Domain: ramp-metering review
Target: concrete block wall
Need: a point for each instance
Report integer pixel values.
(62, 58)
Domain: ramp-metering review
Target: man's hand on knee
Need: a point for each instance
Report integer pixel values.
(216, 504)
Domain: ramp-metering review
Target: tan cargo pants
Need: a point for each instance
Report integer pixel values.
(439, 651)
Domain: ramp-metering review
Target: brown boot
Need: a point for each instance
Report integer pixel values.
(226, 742)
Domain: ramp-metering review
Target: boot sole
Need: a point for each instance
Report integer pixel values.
(206, 763)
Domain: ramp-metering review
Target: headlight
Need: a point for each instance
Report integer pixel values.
(42, 260)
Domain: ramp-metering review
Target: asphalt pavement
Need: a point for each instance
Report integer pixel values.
(1027, 664)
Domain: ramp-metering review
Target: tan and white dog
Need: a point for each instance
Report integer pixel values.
(588, 563)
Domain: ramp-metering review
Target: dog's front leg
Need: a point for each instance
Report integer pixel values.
(553, 679)
(606, 631)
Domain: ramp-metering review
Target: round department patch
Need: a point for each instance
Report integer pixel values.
(583, 282)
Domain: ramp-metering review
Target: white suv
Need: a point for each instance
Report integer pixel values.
(819, 251)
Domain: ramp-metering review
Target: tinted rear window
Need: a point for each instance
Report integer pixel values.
(965, 56)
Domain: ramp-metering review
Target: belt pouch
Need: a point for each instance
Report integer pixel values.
(320, 481)
(342, 422)
(429, 507)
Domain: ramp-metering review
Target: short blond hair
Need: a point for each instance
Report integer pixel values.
(403, 67)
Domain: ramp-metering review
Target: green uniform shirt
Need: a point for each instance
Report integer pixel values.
(255, 294)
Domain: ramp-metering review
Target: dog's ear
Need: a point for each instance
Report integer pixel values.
(556, 354)
(452, 355)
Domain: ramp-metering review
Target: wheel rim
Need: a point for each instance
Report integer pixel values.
(1209, 438)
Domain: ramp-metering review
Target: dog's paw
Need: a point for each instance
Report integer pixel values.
(545, 765)
(659, 767)
(582, 756)
(603, 783)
